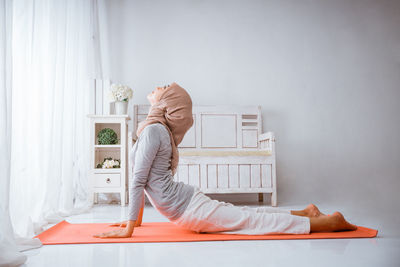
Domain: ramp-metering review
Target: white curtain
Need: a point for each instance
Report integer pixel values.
(9, 251)
(47, 67)
(52, 78)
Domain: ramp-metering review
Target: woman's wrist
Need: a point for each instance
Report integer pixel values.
(130, 225)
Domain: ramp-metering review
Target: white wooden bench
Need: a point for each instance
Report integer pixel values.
(224, 151)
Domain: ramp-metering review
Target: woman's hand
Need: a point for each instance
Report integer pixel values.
(119, 233)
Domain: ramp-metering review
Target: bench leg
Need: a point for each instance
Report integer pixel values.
(260, 197)
(273, 199)
(96, 198)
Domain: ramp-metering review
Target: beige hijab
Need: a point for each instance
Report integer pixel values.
(173, 110)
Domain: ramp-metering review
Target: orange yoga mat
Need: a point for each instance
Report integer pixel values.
(68, 233)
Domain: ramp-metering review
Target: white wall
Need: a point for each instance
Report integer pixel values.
(327, 74)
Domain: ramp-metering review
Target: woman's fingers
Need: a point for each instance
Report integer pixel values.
(115, 233)
(106, 234)
(121, 224)
(99, 235)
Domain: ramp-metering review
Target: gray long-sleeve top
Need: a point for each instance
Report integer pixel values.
(150, 157)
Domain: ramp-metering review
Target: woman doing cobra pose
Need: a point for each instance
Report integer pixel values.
(155, 158)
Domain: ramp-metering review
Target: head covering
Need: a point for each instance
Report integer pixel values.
(173, 110)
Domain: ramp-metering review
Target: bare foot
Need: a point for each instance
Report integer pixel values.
(310, 211)
(341, 223)
(331, 223)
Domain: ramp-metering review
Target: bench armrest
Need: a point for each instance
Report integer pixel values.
(267, 141)
(267, 136)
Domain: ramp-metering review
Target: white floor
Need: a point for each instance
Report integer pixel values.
(380, 251)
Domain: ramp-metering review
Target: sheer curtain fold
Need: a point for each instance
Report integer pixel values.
(101, 55)
(52, 79)
(10, 254)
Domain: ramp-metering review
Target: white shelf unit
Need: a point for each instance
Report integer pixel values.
(108, 180)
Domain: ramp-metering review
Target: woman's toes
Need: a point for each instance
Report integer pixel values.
(353, 227)
(341, 223)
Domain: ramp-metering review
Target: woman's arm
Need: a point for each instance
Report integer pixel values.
(140, 216)
(137, 223)
(148, 145)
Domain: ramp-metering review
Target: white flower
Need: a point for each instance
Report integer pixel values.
(120, 92)
(109, 164)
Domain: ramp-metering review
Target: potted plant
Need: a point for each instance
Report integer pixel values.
(120, 94)
(107, 136)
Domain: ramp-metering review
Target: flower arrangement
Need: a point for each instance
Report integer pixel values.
(109, 163)
(107, 136)
(120, 92)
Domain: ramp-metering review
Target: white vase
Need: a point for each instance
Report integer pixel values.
(121, 107)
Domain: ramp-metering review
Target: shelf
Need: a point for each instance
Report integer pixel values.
(109, 180)
(107, 146)
(113, 170)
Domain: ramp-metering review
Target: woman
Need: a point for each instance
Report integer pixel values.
(155, 159)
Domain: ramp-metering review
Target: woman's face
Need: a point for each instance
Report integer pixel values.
(154, 96)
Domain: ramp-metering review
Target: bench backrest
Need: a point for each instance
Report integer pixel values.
(217, 127)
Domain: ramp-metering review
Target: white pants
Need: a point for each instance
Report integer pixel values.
(204, 214)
